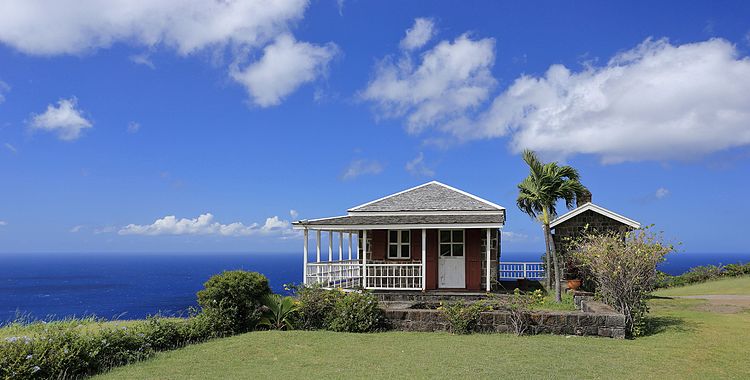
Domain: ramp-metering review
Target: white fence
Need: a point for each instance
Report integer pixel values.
(394, 276)
(335, 274)
(520, 270)
(348, 274)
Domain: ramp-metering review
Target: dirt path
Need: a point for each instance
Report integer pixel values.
(722, 303)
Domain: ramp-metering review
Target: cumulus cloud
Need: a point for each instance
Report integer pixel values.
(293, 214)
(238, 27)
(360, 167)
(417, 167)
(77, 26)
(657, 101)
(448, 80)
(134, 127)
(65, 120)
(205, 224)
(419, 34)
(661, 193)
(286, 64)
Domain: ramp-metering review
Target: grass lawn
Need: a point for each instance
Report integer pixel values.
(690, 342)
(734, 286)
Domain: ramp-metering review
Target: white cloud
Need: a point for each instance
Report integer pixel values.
(286, 64)
(509, 236)
(657, 101)
(419, 34)
(134, 127)
(293, 214)
(3, 223)
(105, 230)
(4, 88)
(77, 26)
(451, 79)
(661, 193)
(357, 168)
(418, 167)
(65, 120)
(237, 27)
(205, 224)
(143, 59)
(11, 148)
(77, 228)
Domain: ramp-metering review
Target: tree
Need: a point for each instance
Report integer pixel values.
(537, 197)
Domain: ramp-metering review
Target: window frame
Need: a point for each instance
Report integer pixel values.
(452, 243)
(400, 245)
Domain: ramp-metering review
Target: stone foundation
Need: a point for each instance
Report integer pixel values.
(602, 323)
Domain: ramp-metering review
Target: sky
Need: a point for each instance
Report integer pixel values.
(208, 126)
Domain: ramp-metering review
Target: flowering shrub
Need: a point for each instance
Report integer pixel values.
(462, 318)
(624, 270)
(315, 307)
(356, 312)
(233, 299)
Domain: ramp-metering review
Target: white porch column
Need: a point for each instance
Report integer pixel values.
(304, 262)
(424, 259)
(364, 259)
(488, 248)
(317, 246)
(330, 245)
(350, 246)
(341, 246)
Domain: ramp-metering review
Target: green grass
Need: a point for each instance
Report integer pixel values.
(689, 342)
(733, 286)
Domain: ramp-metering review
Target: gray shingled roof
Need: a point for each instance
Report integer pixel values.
(432, 196)
(364, 220)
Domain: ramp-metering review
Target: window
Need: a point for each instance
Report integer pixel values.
(398, 244)
(451, 242)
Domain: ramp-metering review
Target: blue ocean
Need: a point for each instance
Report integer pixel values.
(135, 285)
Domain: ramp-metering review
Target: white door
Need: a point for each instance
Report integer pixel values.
(451, 259)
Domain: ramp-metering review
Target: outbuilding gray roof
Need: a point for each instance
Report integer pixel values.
(368, 220)
(432, 196)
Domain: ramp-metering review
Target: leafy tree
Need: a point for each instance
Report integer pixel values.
(538, 195)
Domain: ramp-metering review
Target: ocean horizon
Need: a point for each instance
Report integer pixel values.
(51, 286)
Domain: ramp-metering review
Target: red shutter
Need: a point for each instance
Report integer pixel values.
(379, 244)
(416, 245)
(473, 259)
(432, 257)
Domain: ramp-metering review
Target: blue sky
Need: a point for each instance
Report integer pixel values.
(114, 119)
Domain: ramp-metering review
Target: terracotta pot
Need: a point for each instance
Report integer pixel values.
(574, 284)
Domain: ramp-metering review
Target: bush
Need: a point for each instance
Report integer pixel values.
(462, 318)
(278, 312)
(315, 306)
(518, 310)
(624, 270)
(356, 312)
(233, 298)
(702, 274)
(735, 270)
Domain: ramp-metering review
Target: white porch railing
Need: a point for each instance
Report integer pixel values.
(520, 270)
(348, 274)
(335, 274)
(394, 276)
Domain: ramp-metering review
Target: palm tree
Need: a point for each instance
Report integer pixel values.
(279, 312)
(537, 196)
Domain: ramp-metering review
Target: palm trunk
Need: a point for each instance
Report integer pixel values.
(555, 262)
(547, 267)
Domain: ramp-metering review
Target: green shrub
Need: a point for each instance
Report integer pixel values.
(734, 270)
(233, 299)
(164, 334)
(315, 306)
(356, 312)
(462, 318)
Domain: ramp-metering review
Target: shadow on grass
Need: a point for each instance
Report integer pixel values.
(657, 325)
